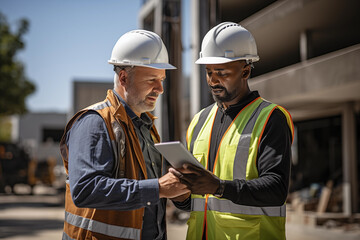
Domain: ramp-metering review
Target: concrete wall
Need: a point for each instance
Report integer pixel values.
(30, 132)
(86, 93)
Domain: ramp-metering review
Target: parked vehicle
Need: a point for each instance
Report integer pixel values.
(17, 167)
(14, 166)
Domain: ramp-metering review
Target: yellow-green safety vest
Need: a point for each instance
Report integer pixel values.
(235, 159)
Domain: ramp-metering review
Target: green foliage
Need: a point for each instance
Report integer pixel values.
(14, 85)
(5, 129)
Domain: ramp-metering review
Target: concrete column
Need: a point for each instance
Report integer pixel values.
(213, 12)
(350, 186)
(305, 45)
(195, 49)
(158, 5)
(15, 133)
(154, 7)
(171, 34)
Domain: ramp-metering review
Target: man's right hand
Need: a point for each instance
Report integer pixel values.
(170, 186)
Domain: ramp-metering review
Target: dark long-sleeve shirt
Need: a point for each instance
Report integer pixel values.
(273, 160)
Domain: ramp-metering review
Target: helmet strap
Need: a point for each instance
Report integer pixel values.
(248, 61)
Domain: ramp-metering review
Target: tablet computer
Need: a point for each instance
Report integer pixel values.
(176, 154)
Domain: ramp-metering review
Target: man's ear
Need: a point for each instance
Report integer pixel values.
(123, 76)
(246, 72)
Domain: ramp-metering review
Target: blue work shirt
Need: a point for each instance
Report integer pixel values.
(91, 164)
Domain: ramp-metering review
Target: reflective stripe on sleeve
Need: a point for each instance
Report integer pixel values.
(227, 206)
(100, 105)
(103, 228)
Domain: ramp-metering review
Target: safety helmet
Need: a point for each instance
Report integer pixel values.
(228, 42)
(140, 48)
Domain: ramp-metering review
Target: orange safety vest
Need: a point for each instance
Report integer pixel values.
(90, 223)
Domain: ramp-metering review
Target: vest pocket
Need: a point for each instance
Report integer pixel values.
(195, 225)
(233, 226)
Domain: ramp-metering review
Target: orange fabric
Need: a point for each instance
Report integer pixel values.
(262, 131)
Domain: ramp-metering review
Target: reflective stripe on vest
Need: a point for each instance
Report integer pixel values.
(227, 206)
(203, 115)
(66, 237)
(242, 151)
(101, 105)
(241, 157)
(102, 228)
(118, 144)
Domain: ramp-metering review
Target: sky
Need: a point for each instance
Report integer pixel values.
(68, 40)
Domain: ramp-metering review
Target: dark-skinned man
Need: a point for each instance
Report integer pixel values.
(243, 141)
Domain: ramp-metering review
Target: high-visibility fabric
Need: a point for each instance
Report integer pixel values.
(90, 223)
(235, 159)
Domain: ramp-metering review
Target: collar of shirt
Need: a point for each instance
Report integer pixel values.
(144, 119)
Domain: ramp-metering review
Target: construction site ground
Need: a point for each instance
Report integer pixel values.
(40, 216)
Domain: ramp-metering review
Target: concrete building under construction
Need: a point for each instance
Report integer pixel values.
(309, 63)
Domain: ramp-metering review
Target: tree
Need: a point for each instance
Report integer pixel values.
(14, 85)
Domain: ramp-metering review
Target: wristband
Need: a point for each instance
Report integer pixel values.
(220, 191)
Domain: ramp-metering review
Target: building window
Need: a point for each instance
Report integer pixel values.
(319, 153)
(52, 134)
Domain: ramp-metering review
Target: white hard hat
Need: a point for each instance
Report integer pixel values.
(140, 48)
(228, 42)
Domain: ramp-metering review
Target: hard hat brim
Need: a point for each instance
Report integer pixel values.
(165, 66)
(222, 60)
